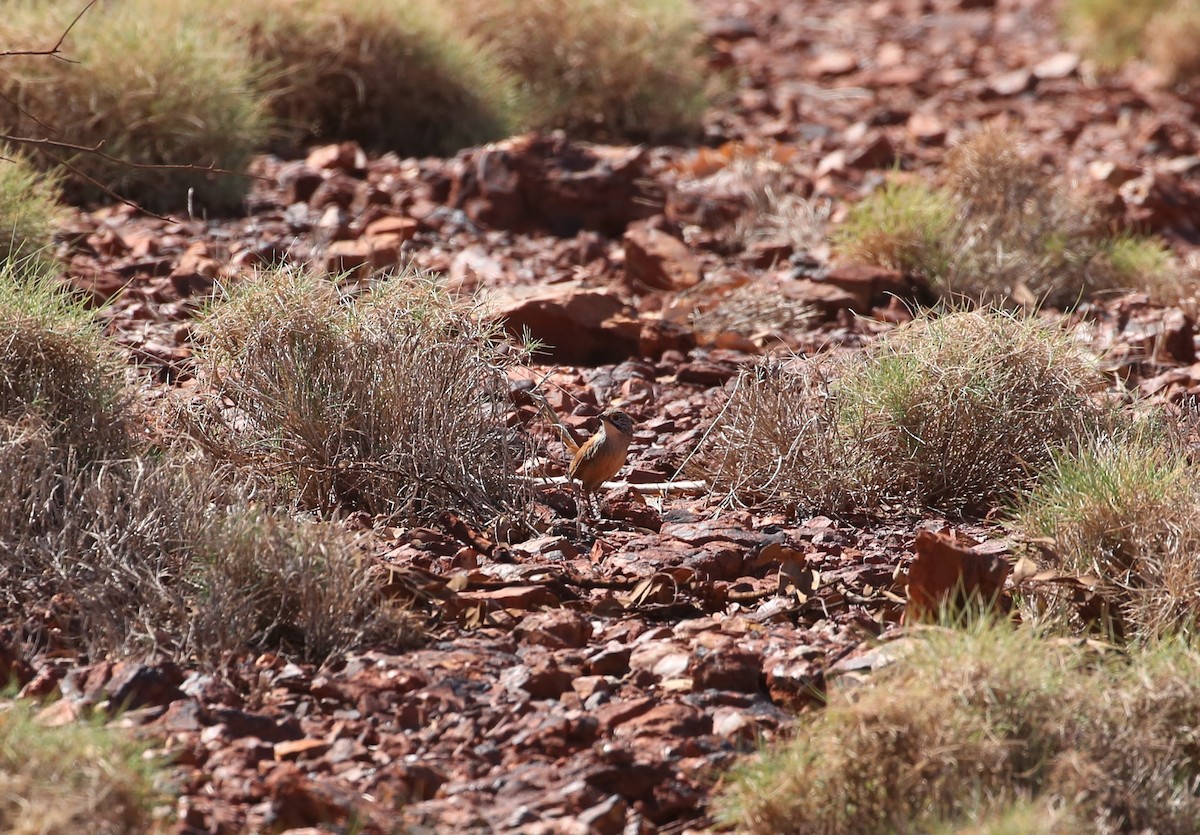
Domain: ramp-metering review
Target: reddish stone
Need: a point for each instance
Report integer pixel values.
(729, 667)
(344, 156)
(403, 228)
(537, 182)
(577, 327)
(556, 629)
(658, 260)
(669, 719)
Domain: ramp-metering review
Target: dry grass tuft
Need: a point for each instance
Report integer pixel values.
(1169, 41)
(87, 545)
(1125, 510)
(136, 556)
(968, 405)
(153, 83)
(752, 312)
(1001, 231)
(778, 440)
(974, 721)
(902, 227)
(114, 552)
(1111, 31)
(29, 207)
(1164, 32)
(1019, 817)
(951, 411)
(55, 364)
(266, 580)
(75, 778)
(393, 402)
(603, 69)
(394, 76)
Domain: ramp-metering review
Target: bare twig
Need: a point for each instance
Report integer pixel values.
(17, 107)
(93, 181)
(94, 150)
(46, 145)
(56, 50)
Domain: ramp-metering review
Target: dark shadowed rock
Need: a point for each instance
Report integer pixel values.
(539, 182)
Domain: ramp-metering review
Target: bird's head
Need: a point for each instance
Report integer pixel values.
(620, 421)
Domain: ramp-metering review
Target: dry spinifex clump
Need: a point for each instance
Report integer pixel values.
(148, 555)
(150, 82)
(952, 411)
(1114, 32)
(1000, 230)
(29, 207)
(76, 777)
(391, 402)
(613, 69)
(1124, 510)
(56, 366)
(112, 548)
(395, 76)
(989, 724)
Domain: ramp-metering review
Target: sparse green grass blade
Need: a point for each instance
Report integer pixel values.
(1126, 510)
(393, 75)
(902, 227)
(56, 365)
(29, 207)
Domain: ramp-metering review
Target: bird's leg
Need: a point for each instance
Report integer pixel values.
(581, 507)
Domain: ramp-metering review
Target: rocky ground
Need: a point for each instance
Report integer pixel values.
(604, 682)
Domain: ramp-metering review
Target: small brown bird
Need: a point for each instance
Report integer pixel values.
(601, 455)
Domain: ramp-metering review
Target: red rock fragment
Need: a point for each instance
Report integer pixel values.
(300, 801)
(541, 679)
(538, 182)
(344, 156)
(402, 227)
(611, 660)
(300, 749)
(1113, 173)
(299, 182)
(1011, 83)
(136, 685)
(878, 153)
(871, 287)
(658, 260)
(659, 336)
(729, 667)
(363, 255)
(833, 62)
(1177, 341)
(607, 818)
(627, 505)
(948, 571)
(555, 629)
(515, 597)
(927, 128)
(661, 659)
(671, 719)
(577, 327)
(1059, 65)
